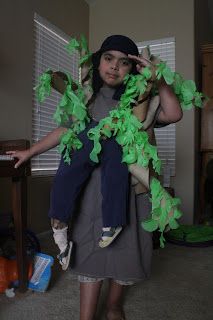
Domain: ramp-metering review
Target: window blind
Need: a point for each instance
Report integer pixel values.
(165, 136)
(50, 53)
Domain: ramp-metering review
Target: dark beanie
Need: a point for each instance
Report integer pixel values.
(118, 43)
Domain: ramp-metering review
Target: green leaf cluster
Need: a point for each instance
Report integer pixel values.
(69, 141)
(43, 89)
(187, 93)
(71, 104)
(185, 90)
(164, 210)
(164, 71)
(127, 128)
(72, 46)
(80, 46)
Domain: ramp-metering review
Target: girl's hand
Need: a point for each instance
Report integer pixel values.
(141, 62)
(22, 156)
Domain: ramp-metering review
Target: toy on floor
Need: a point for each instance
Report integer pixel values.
(41, 272)
(9, 273)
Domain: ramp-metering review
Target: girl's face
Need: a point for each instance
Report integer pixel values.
(113, 67)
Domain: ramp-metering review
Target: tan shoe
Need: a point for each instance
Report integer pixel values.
(108, 236)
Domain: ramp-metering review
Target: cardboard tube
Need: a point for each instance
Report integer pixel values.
(141, 174)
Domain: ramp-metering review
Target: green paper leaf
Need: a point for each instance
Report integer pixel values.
(178, 80)
(173, 224)
(177, 214)
(168, 75)
(198, 99)
(107, 132)
(150, 225)
(188, 89)
(186, 105)
(129, 158)
(147, 73)
(85, 59)
(162, 241)
(72, 46)
(43, 89)
(83, 41)
(94, 153)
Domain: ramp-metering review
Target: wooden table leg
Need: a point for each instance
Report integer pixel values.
(19, 207)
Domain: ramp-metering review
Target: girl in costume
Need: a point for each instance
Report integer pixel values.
(117, 57)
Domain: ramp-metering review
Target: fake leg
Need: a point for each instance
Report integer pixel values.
(69, 181)
(67, 186)
(115, 189)
(115, 301)
(60, 236)
(89, 295)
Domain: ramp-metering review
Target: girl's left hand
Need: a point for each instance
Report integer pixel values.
(141, 62)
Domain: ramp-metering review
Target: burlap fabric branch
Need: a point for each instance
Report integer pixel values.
(126, 123)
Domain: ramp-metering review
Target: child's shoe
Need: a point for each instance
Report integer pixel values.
(108, 235)
(65, 247)
(64, 257)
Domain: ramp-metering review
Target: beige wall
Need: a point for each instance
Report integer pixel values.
(147, 20)
(16, 65)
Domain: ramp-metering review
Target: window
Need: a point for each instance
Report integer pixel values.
(50, 53)
(165, 137)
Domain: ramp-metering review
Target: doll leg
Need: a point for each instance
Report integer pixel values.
(115, 191)
(114, 185)
(68, 183)
(60, 236)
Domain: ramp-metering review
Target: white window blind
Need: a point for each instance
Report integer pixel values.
(50, 53)
(165, 136)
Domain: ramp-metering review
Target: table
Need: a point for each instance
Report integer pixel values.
(19, 202)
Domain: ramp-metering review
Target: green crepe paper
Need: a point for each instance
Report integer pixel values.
(82, 47)
(127, 128)
(69, 142)
(122, 124)
(162, 215)
(72, 46)
(85, 59)
(189, 96)
(164, 71)
(71, 104)
(185, 90)
(43, 89)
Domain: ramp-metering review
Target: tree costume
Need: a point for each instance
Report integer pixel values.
(128, 122)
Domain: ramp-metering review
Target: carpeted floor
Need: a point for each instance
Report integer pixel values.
(181, 288)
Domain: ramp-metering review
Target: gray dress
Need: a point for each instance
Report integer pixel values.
(128, 258)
